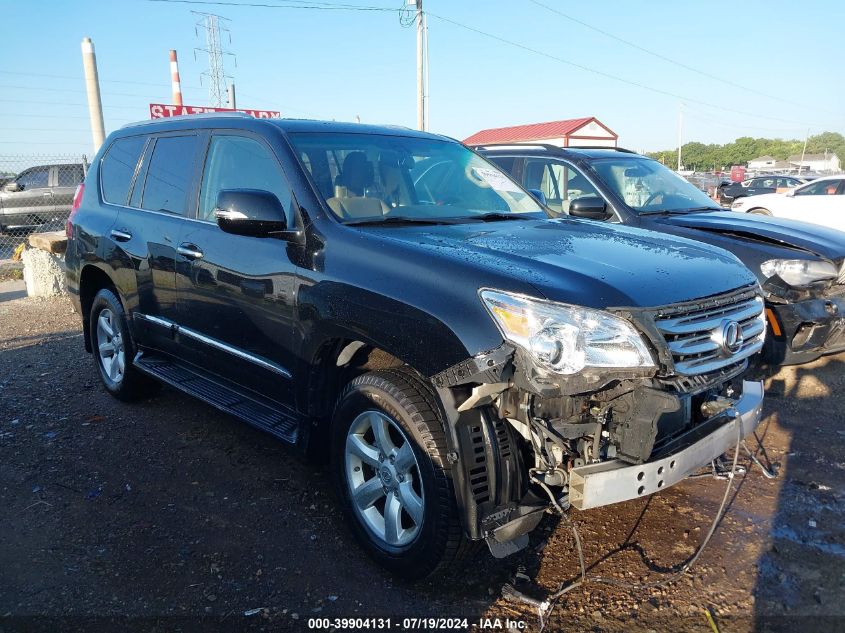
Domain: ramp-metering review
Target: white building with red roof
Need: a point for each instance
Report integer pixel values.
(583, 132)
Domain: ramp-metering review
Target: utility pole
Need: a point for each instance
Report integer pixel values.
(216, 73)
(232, 101)
(680, 132)
(803, 151)
(92, 87)
(420, 67)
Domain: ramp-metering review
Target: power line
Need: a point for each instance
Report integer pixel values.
(325, 6)
(662, 57)
(606, 74)
(110, 94)
(63, 104)
(80, 78)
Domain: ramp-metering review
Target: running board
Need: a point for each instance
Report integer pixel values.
(258, 412)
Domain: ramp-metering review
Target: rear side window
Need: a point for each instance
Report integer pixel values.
(69, 175)
(169, 174)
(118, 167)
(35, 178)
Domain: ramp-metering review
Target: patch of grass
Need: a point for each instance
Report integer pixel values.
(9, 273)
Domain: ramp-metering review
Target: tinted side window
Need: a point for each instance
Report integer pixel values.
(169, 174)
(238, 162)
(118, 167)
(69, 175)
(34, 178)
(819, 188)
(505, 162)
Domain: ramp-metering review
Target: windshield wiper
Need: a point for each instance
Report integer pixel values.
(680, 211)
(495, 216)
(398, 219)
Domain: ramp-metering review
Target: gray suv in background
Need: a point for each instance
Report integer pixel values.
(38, 195)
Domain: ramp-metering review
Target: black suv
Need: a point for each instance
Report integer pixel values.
(800, 266)
(727, 192)
(392, 302)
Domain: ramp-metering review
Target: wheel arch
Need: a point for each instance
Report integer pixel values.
(92, 279)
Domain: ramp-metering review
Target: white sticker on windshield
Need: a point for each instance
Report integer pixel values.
(496, 179)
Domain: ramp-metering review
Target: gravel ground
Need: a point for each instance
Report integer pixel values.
(168, 515)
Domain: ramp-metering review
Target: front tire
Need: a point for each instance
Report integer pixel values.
(761, 211)
(114, 349)
(392, 475)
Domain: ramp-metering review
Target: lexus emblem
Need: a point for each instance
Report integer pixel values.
(731, 338)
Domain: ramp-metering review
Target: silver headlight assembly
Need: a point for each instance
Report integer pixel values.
(565, 339)
(799, 272)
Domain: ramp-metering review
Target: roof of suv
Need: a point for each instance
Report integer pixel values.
(232, 119)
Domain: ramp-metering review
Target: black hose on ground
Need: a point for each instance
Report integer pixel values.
(545, 607)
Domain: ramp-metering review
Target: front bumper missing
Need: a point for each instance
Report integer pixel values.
(809, 328)
(601, 484)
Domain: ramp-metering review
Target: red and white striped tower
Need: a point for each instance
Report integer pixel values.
(174, 79)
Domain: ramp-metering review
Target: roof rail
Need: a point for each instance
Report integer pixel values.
(549, 146)
(492, 145)
(198, 115)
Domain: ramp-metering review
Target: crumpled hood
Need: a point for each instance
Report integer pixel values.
(581, 262)
(817, 239)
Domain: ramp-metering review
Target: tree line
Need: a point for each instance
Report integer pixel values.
(706, 157)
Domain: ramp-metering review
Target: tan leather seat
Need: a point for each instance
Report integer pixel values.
(357, 207)
(354, 178)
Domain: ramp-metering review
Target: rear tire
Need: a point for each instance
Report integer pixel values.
(114, 349)
(404, 475)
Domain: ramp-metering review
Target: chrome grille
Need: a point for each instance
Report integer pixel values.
(841, 279)
(694, 333)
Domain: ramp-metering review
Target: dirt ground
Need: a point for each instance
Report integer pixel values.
(167, 515)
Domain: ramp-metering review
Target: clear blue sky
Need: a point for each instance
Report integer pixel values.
(339, 64)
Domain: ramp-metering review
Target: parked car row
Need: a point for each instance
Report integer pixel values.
(466, 343)
(38, 195)
(727, 192)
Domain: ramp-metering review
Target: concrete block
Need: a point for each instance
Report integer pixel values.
(52, 241)
(43, 273)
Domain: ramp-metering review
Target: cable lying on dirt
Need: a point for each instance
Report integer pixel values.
(545, 607)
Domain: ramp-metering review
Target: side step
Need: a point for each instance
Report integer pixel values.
(252, 409)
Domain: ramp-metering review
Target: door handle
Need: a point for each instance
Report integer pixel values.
(121, 236)
(191, 251)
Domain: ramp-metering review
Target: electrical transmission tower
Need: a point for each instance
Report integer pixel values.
(216, 74)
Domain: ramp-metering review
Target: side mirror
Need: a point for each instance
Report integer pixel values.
(11, 187)
(590, 207)
(250, 212)
(539, 196)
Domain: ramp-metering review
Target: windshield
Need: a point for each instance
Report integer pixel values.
(649, 187)
(365, 177)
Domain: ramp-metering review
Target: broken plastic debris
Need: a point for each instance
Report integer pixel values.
(250, 612)
(811, 523)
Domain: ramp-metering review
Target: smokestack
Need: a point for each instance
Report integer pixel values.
(92, 87)
(174, 79)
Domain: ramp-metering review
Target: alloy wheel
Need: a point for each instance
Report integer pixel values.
(110, 347)
(384, 479)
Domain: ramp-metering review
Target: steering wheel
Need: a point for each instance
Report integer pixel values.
(652, 198)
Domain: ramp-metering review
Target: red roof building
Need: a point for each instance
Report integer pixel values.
(587, 131)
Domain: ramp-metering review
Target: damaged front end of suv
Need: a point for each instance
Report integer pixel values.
(588, 407)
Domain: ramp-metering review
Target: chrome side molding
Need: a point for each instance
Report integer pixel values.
(175, 328)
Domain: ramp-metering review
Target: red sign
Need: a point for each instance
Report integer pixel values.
(162, 111)
(737, 173)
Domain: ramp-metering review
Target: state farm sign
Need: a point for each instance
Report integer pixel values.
(162, 111)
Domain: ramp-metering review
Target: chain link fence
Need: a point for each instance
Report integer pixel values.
(36, 193)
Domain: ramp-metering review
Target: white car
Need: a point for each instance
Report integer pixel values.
(821, 201)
